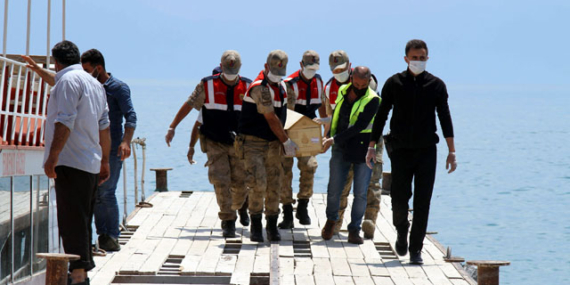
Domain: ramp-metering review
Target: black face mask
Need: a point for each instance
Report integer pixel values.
(359, 92)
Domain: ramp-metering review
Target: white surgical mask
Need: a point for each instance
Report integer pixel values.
(417, 67)
(273, 78)
(230, 77)
(309, 73)
(342, 77)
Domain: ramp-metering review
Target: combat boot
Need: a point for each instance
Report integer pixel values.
(255, 230)
(368, 228)
(271, 228)
(229, 228)
(243, 216)
(287, 222)
(302, 212)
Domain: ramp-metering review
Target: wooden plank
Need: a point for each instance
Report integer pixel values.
(303, 266)
(286, 266)
(262, 259)
(402, 281)
(323, 271)
(421, 281)
(369, 251)
(335, 249)
(352, 250)
(358, 267)
(286, 249)
(414, 271)
(226, 265)
(181, 247)
(304, 279)
(382, 280)
(363, 280)
(319, 249)
(433, 272)
(459, 282)
(343, 280)
(340, 267)
(300, 234)
(274, 264)
(210, 258)
(158, 256)
(244, 265)
(396, 270)
(376, 267)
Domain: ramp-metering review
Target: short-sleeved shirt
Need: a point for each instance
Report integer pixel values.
(263, 99)
(79, 102)
(198, 97)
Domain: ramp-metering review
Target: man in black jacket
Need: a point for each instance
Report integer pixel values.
(415, 96)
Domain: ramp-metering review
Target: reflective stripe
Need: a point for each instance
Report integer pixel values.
(368, 128)
(296, 89)
(320, 91)
(304, 102)
(276, 104)
(212, 105)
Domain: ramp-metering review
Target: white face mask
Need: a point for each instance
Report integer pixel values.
(417, 67)
(273, 78)
(342, 77)
(309, 73)
(229, 77)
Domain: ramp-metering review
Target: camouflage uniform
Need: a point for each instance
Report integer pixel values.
(262, 159)
(374, 191)
(225, 170)
(263, 174)
(307, 166)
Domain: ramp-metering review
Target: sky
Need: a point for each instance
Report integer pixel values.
(471, 43)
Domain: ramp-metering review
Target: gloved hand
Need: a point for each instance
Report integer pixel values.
(190, 155)
(290, 147)
(169, 136)
(370, 156)
(322, 121)
(451, 163)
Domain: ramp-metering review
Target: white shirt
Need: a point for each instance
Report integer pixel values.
(78, 101)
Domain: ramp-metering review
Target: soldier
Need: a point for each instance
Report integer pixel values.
(340, 67)
(304, 88)
(219, 97)
(261, 141)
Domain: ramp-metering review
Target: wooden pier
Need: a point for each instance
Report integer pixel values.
(179, 241)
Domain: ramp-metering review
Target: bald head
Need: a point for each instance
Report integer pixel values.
(362, 72)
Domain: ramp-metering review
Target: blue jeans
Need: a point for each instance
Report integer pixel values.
(339, 169)
(106, 207)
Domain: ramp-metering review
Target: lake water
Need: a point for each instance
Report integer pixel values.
(508, 200)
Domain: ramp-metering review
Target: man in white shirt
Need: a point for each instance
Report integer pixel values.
(77, 152)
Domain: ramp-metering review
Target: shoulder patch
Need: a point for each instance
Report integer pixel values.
(266, 99)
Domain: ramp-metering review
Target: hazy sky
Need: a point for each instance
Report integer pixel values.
(484, 42)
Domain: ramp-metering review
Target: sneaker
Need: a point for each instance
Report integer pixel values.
(108, 243)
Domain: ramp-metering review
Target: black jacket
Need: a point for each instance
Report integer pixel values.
(415, 101)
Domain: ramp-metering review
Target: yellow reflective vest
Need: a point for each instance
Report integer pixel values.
(357, 108)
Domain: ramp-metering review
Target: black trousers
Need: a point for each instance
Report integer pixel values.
(417, 165)
(75, 195)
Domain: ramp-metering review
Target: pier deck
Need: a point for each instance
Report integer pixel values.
(178, 241)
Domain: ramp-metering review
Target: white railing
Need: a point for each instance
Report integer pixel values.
(23, 104)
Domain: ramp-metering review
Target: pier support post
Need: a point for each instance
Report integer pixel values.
(161, 179)
(488, 271)
(57, 267)
(386, 182)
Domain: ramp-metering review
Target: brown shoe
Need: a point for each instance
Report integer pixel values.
(354, 237)
(328, 230)
(368, 228)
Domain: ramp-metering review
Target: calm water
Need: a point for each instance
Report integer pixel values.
(508, 200)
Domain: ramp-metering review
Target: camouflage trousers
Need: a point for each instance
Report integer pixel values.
(374, 191)
(263, 170)
(226, 172)
(307, 166)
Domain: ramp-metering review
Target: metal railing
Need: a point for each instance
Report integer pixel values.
(23, 104)
(134, 144)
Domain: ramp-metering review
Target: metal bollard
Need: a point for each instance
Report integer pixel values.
(57, 267)
(161, 179)
(488, 271)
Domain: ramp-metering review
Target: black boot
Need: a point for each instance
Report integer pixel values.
(229, 228)
(243, 216)
(271, 228)
(255, 230)
(302, 212)
(287, 222)
(402, 242)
